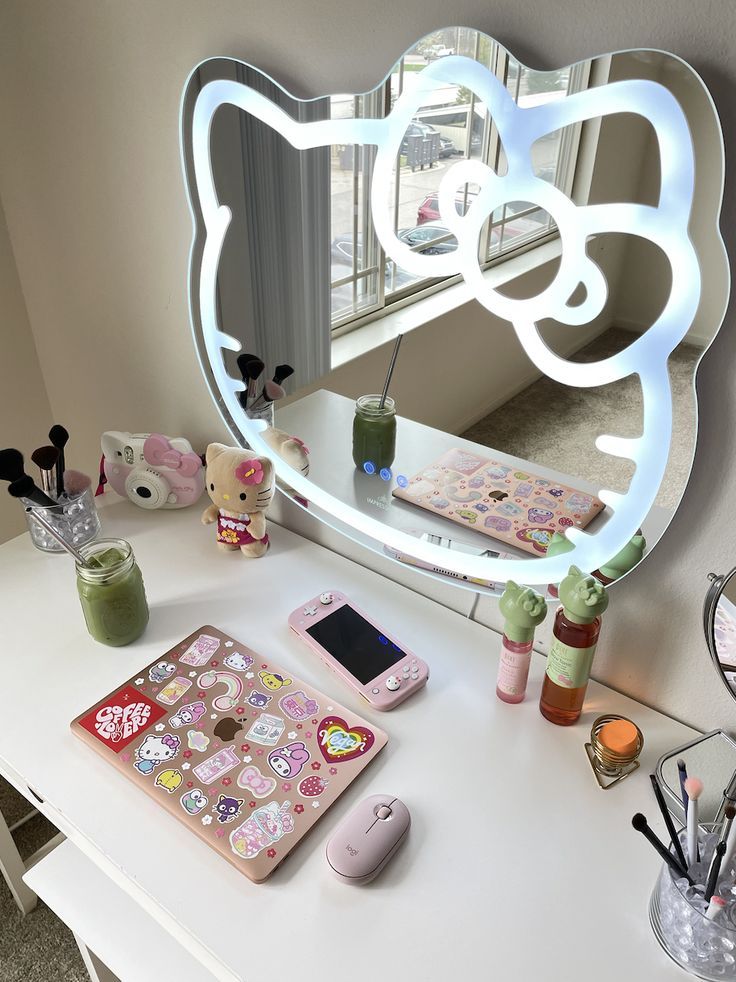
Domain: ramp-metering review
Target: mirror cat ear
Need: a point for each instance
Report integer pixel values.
(213, 451)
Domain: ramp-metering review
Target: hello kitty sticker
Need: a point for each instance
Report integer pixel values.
(156, 750)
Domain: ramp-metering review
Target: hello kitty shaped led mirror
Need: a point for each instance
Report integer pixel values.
(574, 214)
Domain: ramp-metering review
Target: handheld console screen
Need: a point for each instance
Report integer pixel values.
(356, 644)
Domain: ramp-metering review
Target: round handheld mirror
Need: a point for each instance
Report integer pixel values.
(719, 623)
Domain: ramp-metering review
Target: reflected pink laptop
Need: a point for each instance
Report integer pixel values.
(516, 506)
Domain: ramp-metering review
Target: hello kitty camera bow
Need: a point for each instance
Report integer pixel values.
(158, 452)
(665, 225)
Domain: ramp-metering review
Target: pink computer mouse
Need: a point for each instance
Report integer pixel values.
(368, 837)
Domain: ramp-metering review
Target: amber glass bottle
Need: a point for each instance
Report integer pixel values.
(575, 635)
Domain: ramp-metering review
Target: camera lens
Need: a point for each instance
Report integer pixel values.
(147, 488)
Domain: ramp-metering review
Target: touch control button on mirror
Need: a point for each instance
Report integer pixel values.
(393, 683)
(383, 812)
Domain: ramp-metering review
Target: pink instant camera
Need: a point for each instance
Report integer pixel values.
(152, 470)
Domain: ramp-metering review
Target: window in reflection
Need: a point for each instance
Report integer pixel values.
(452, 124)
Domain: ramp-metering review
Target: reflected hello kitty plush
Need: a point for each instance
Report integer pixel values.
(241, 488)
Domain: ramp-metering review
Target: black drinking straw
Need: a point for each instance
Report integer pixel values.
(390, 371)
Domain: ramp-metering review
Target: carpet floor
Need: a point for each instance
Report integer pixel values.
(38, 947)
(556, 426)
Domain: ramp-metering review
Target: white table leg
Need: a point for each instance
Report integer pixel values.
(97, 971)
(12, 867)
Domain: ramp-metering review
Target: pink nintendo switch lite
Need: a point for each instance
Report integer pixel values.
(246, 757)
(504, 502)
(358, 650)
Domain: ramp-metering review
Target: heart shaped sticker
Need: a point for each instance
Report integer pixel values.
(338, 742)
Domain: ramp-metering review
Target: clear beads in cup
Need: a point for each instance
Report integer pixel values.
(75, 518)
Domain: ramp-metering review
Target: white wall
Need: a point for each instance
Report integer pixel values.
(25, 416)
(89, 175)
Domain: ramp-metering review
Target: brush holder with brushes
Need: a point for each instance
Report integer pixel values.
(264, 411)
(75, 518)
(704, 947)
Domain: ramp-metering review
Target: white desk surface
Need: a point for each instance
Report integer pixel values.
(324, 420)
(517, 866)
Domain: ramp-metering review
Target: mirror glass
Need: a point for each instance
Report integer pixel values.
(719, 616)
(712, 758)
(555, 271)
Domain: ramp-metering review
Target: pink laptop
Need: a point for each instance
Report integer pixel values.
(247, 757)
(499, 500)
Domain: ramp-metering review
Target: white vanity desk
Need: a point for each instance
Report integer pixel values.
(517, 866)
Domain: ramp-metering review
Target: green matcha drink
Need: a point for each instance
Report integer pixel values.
(111, 591)
(374, 432)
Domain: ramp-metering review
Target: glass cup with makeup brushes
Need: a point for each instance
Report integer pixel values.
(699, 936)
(74, 517)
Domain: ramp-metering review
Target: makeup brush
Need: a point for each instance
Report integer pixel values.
(694, 789)
(674, 837)
(250, 368)
(46, 459)
(390, 372)
(729, 796)
(682, 773)
(11, 464)
(25, 488)
(716, 905)
(728, 818)
(715, 869)
(75, 482)
(282, 373)
(271, 392)
(59, 436)
(730, 853)
(12, 470)
(640, 824)
(242, 360)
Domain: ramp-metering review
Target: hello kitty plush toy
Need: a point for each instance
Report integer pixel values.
(241, 488)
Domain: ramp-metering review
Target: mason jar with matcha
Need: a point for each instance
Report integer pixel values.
(374, 433)
(111, 591)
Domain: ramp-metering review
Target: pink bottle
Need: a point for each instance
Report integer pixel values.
(523, 609)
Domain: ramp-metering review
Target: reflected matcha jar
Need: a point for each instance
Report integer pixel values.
(374, 433)
(111, 591)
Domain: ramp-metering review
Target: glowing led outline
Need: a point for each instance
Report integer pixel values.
(666, 225)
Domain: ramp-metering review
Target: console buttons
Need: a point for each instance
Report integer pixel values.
(415, 676)
(393, 682)
(376, 692)
(383, 812)
(326, 599)
(310, 611)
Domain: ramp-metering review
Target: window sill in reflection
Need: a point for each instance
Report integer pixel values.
(401, 320)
